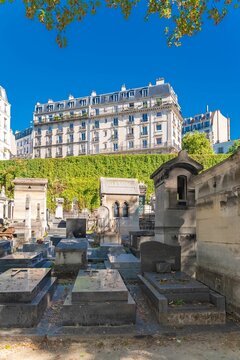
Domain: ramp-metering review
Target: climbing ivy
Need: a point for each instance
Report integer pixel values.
(78, 177)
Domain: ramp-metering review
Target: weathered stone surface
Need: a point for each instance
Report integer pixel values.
(20, 259)
(128, 265)
(99, 286)
(153, 252)
(76, 228)
(24, 295)
(21, 285)
(5, 247)
(71, 255)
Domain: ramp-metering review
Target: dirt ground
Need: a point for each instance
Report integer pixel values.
(211, 346)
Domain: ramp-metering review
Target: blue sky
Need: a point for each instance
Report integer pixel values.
(106, 51)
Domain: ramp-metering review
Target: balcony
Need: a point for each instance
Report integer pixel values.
(70, 141)
(48, 132)
(95, 139)
(70, 153)
(70, 130)
(143, 133)
(58, 155)
(59, 131)
(59, 141)
(130, 136)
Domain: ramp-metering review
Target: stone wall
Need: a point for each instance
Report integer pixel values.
(218, 229)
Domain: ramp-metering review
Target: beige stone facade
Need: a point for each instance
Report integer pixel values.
(36, 190)
(218, 229)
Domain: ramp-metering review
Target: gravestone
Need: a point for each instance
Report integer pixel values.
(99, 297)
(5, 248)
(76, 228)
(59, 208)
(71, 255)
(20, 260)
(127, 264)
(24, 295)
(154, 252)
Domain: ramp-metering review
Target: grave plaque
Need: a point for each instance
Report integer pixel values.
(154, 252)
(76, 228)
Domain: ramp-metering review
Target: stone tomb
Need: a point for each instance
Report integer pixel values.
(5, 247)
(76, 228)
(180, 300)
(71, 255)
(99, 297)
(24, 295)
(21, 260)
(156, 256)
(127, 264)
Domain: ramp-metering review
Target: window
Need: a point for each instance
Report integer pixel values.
(71, 104)
(125, 209)
(115, 97)
(130, 130)
(182, 189)
(40, 119)
(158, 114)
(39, 109)
(131, 118)
(144, 92)
(115, 121)
(207, 124)
(115, 147)
(60, 106)
(159, 141)
(71, 139)
(50, 108)
(116, 208)
(39, 131)
(130, 145)
(96, 111)
(144, 130)
(220, 150)
(131, 93)
(115, 134)
(71, 127)
(60, 128)
(83, 136)
(96, 100)
(144, 143)
(71, 113)
(144, 117)
(83, 102)
(105, 133)
(83, 125)
(105, 121)
(96, 124)
(158, 127)
(59, 139)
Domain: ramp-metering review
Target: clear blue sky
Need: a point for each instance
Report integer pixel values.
(106, 51)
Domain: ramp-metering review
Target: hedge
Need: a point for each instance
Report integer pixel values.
(78, 177)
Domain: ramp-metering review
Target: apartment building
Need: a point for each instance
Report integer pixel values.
(137, 120)
(24, 143)
(4, 125)
(213, 123)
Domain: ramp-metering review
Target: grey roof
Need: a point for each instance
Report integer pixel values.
(181, 161)
(3, 94)
(162, 91)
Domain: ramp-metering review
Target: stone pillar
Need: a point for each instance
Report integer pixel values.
(28, 227)
(59, 208)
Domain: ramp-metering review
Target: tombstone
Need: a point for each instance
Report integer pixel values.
(127, 264)
(28, 221)
(21, 260)
(76, 228)
(24, 296)
(5, 247)
(99, 297)
(154, 253)
(71, 255)
(103, 224)
(59, 208)
(75, 207)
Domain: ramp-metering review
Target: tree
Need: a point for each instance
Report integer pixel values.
(234, 147)
(197, 143)
(186, 17)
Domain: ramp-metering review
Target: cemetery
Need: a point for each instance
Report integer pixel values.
(64, 272)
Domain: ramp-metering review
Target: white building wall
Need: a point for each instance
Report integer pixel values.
(4, 125)
(134, 124)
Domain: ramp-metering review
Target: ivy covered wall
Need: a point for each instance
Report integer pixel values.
(78, 177)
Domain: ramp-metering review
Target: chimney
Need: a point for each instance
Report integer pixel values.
(93, 93)
(123, 87)
(160, 81)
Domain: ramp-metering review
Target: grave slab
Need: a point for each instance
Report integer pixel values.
(20, 260)
(99, 286)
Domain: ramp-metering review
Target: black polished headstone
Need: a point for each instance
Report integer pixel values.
(76, 228)
(154, 252)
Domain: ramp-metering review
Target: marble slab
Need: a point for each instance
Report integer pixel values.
(99, 286)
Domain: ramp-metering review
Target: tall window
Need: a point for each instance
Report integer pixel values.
(182, 189)
(116, 212)
(125, 210)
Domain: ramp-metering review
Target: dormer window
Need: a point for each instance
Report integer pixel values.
(83, 102)
(144, 92)
(50, 108)
(96, 100)
(71, 104)
(60, 106)
(131, 93)
(39, 109)
(115, 97)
